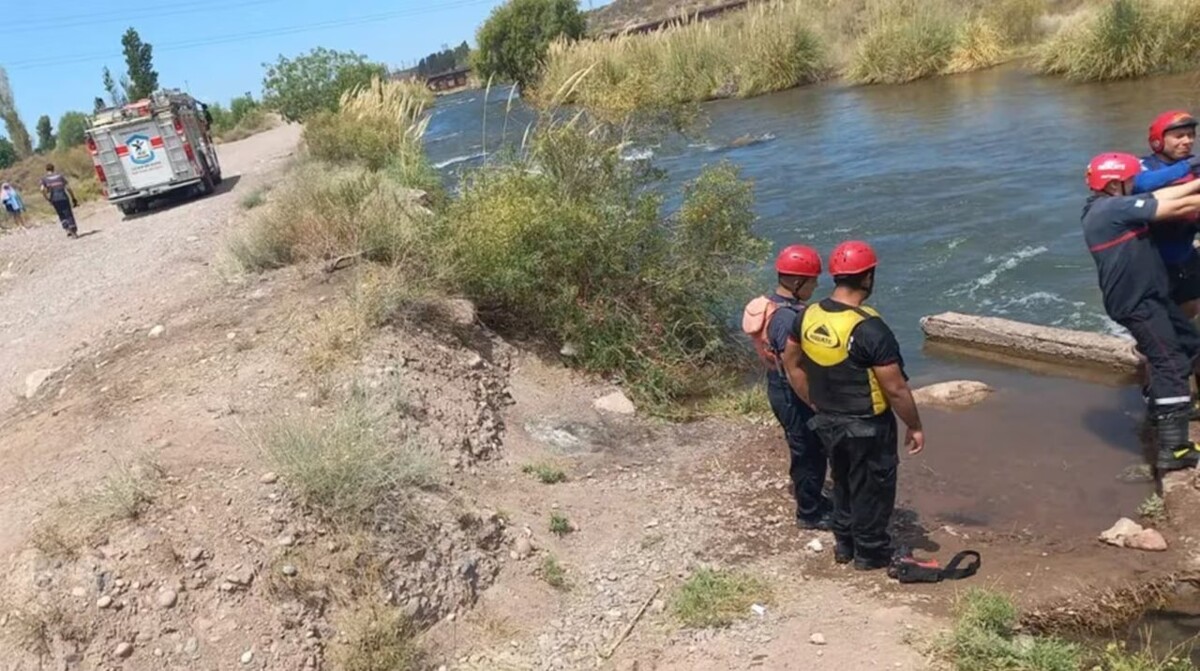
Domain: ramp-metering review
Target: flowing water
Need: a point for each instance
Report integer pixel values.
(970, 188)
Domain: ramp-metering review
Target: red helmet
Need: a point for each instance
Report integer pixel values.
(851, 258)
(1111, 167)
(1168, 121)
(798, 260)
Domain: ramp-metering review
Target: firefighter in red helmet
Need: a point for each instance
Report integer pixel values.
(769, 321)
(1133, 279)
(846, 362)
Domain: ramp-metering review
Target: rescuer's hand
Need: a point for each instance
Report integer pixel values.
(914, 441)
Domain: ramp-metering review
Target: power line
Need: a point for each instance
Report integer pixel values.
(36, 63)
(76, 20)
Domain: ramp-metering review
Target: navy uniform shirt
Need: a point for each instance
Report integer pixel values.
(1130, 269)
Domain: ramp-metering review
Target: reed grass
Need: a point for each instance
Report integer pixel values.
(769, 47)
(1124, 39)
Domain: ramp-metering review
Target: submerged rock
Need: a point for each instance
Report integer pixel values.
(953, 394)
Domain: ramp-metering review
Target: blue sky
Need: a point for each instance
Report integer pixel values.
(54, 54)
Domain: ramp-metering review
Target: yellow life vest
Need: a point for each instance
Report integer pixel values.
(836, 384)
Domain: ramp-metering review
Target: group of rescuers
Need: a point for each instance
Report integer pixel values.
(836, 379)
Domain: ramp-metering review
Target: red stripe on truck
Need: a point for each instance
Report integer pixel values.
(156, 142)
(122, 150)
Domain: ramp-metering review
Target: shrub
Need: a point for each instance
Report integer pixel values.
(979, 47)
(342, 468)
(323, 211)
(377, 638)
(567, 243)
(299, 88)
(379, 125)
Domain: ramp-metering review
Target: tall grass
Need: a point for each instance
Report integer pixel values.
(380, 125)
(769, 47)
(908, 40)
(1123, 39)
(343, 468)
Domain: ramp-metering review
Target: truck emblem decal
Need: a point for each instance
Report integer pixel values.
(140, 150)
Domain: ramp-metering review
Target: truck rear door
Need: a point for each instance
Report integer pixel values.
(144, 158)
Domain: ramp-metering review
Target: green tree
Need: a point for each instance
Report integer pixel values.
(139, 58)
(242, 106)
(8, 153)
(116, 91)
(514, 40)
(72, 128)
(17, 133)
(45, 134)
(312, 82)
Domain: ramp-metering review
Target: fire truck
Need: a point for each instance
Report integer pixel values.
(152, 147)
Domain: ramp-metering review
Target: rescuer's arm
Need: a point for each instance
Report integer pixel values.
(793, 359)
(895, 386)
(1177, 191)
(1147, 181)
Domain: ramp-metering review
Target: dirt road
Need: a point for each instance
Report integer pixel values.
(59, 296)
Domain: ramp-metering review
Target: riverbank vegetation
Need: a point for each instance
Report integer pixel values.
(562, 241)
(1123, 39)
(985, 637)
(777, 45)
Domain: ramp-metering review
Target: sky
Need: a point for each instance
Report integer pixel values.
(55, 53)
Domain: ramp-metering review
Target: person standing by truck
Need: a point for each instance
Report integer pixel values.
(57, 190)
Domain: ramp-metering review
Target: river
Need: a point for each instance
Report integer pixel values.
(969, 187)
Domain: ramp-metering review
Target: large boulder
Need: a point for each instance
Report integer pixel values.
(952, 394)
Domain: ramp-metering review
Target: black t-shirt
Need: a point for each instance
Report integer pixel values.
(872, 342)
(1129, 267)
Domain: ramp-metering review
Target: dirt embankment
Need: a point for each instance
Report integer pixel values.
(143, 527)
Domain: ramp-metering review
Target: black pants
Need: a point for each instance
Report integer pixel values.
(66, 216)
(863, 458)
(1170, 343)
(808, 462)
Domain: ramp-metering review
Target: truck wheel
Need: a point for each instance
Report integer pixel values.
(128, 207)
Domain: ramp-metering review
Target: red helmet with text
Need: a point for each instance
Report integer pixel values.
(1111, 167)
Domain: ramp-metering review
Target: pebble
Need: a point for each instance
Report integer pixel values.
(123, 650)
(157, 331)
(191, 646)
(167, 598)
(104, 602)
(247, 657)
(289, 570)
(79, 592)
(268, 478)
(817, 639)
(522, 548)
(196, 554)
(815, 545)
(287, 540)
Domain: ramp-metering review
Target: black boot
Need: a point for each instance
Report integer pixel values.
(843, 550)
(1175, 450)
